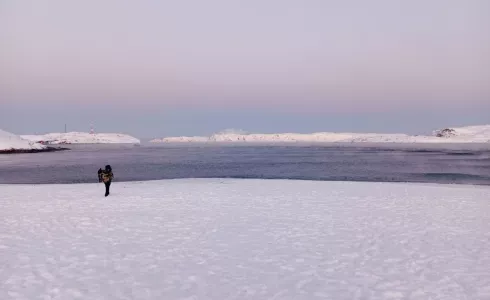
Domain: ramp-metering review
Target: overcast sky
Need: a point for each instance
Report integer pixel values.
(192, 67)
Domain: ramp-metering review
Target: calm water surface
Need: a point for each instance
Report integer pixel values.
(327, 162)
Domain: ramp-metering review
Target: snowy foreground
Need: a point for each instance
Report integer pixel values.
(470, 134)
(10, 141)
(83, 138)
(245, 239)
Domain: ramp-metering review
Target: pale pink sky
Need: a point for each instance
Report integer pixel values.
(310, 57)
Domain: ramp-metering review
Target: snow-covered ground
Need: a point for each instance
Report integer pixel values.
(10, 141)
(471, 134)
(83, 138)
(245, 239)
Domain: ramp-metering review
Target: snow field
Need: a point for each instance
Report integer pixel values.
(245, 239)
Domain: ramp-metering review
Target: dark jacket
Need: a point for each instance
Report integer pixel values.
(105, 175)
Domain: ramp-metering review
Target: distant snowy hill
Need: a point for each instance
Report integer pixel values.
(471, 134)
(476, 133)
(10, 141)
(82, 138)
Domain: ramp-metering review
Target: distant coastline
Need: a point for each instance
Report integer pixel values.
(14, 144)
(469, 134)
(81, 138)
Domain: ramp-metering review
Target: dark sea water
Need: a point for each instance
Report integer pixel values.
(326, 162)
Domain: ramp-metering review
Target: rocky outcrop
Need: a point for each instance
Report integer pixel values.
(445, 133)
(19, 151)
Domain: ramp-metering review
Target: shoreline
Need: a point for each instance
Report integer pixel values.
(24, 151)
(265, 179)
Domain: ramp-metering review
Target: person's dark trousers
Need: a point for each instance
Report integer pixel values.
(107, 186)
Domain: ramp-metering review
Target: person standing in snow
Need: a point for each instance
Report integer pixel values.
(106, 176)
